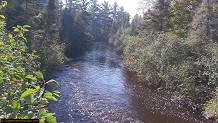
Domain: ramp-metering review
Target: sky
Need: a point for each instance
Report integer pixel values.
(129, 5)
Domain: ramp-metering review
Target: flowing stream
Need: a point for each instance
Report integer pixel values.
(97, 88)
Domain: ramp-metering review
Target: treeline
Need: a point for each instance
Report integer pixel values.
(174, 46)
(43, 38)
(85, 20)
(62, 27)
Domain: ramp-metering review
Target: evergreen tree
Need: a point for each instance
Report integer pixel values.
(75, 25)
(157, 18)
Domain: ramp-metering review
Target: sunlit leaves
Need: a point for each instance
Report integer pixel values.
(15, 104)
(16, 30)
(50, 96)
(26, 26)
(20, 83)
(29, 115)
(28, 92)
(50, 118)
(29, 99)
(44, 115)
(39, 75)
(2, 16)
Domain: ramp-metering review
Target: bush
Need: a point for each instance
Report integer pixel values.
(163, 60)
(51, 55)
(120, 38)
(150, 56)
(21, 86)
(211, 107)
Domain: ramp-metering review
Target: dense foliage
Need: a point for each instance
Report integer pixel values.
(22, 86)
(174, 46)
(43, 17)
(85, 20)
(56, 29)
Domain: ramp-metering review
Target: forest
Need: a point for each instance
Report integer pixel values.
(171, 46)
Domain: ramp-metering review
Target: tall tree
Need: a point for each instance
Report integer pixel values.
(157, 18)
(198, 33)
(75, 23)
(181, 13)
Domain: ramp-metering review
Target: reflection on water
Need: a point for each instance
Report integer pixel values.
(97, 88)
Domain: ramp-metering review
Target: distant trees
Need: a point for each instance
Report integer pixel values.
(74, 25)
(135, 24)
(107, 20)
(85, 20)
(65, 26)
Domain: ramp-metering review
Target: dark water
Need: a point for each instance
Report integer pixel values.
(98, 88)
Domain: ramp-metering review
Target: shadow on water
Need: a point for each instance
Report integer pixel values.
(98, 88)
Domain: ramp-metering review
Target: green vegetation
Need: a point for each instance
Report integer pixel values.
(43, 37)
(174, 46)
(55, 30)
(21, 86)
(85, 21)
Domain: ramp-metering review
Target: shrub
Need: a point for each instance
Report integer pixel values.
(21, 87)
(164, 60)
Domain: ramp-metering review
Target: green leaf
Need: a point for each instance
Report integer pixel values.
(11, 93)
(57, 95)
(49, 95)
(1, 43)
(37, 87)
(50, 118)
(23, 87)
(28, 92)
(18, 76)
(39, 74)
(28, 116)
(8, 110)
(1, 78)
(44, 100)
(52, 83)
(15, 104)
(29, 76)
(2, 16)
(26, 26)
(29, 99)
(42, 112)
(16, 30)
(25, 30)
(10, 36)
(21, 115)
(42, 120)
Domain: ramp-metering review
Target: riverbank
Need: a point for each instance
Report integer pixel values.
(97, 87)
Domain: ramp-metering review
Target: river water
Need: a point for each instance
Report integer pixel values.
(97, 88)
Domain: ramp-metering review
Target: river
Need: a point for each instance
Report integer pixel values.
(96, 87)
